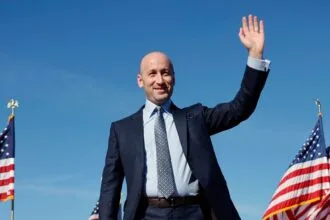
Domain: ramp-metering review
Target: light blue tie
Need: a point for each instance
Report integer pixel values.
(166, 183)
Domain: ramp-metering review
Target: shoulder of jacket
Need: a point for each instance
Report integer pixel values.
(193, 110)
(129, 118)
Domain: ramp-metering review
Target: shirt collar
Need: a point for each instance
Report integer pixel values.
(150, 107)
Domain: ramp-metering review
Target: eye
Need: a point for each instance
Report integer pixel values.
(152, 74)
(166, 72)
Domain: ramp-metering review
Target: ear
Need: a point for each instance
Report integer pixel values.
(139, 80)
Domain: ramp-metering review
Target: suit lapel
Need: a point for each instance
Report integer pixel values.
(180, 121)
(138, 143)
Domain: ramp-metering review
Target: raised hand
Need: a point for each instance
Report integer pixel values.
(252, 36)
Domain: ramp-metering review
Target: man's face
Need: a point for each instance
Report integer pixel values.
(156, 77)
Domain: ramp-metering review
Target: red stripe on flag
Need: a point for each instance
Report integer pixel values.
(290, 215)
(5, 169)
(6, 182)
(307, 170)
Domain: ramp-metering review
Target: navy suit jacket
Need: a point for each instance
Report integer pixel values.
(195, 124)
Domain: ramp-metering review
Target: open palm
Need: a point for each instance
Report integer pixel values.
(252, 36)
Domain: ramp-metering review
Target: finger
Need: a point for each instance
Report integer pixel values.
(244, 25)
(255, 24)
(250, 23)
(261, 26)
(241, 35)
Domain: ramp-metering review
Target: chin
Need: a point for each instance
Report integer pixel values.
(161, 100)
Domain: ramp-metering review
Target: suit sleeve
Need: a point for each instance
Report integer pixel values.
(112, 179)
(227, 115)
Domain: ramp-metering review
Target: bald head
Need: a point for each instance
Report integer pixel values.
(155, 58)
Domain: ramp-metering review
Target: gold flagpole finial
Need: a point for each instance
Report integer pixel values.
(318, 103)
(12, 104)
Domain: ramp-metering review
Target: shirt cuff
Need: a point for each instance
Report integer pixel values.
(261, 65)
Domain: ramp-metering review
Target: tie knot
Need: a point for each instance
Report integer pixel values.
(159, 110)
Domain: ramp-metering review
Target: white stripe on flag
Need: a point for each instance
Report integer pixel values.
(7, 175)
(6, 188)
(6, 162)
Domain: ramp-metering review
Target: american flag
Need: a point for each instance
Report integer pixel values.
(7, 157)
(95, 213)
(305, 183)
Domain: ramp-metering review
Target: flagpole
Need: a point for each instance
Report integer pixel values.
(318, 103)
(12, 104)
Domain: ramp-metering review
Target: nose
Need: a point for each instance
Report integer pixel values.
(159, 78)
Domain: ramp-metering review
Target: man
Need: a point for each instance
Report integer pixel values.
(165, 153)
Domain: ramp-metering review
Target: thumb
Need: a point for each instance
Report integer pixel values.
(241, 35)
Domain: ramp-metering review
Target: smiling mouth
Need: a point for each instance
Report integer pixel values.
(160, 89)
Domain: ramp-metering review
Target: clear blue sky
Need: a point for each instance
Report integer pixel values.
(73, 64)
